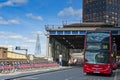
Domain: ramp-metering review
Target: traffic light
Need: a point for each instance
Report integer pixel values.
(17, 48)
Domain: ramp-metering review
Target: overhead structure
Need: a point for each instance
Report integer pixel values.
(63, 39)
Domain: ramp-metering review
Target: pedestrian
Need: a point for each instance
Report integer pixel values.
(69, 62)
(75, 61)
(60, 59)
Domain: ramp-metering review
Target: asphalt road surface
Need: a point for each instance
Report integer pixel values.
(71, 74)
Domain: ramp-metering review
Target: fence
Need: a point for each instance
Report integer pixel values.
(25, 66)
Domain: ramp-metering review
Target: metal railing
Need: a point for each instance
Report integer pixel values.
(66, 22)
(25, 66)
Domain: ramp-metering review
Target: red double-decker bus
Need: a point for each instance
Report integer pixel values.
(100, 52)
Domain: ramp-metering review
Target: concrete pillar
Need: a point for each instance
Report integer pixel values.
(48, 49)
(50, 53)
(47, 46)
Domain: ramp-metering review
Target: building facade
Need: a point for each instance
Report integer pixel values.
(107, 11)
(10, 56)
(5, 54)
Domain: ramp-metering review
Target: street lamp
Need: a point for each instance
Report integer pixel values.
(26, 50)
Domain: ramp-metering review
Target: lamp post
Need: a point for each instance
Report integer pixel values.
(26, 50)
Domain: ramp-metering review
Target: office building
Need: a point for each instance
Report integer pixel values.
(107, 11)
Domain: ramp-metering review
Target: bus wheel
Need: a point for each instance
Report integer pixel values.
(111, 73)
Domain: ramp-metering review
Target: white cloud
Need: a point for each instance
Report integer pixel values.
(15, 37)
(12, 2)
(1, 18)
(31, 41)
(2, 32)
(27, 40)
(30, 15)
(38, 32)
(70, 12)
(11, 21)
(10, 35)
(41, 34)
(18, 1)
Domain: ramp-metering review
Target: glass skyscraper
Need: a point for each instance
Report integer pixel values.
(107, 11)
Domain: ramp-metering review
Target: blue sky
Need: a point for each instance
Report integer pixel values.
(21, 20)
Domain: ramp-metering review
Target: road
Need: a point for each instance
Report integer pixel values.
(71, 74)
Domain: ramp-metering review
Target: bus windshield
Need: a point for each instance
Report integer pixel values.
(98, 37)
(96, 57)
(97, 47)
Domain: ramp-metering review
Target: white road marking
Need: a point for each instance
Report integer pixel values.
(115, 77)
(30, 78)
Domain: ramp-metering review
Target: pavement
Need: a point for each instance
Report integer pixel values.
(18, 74)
